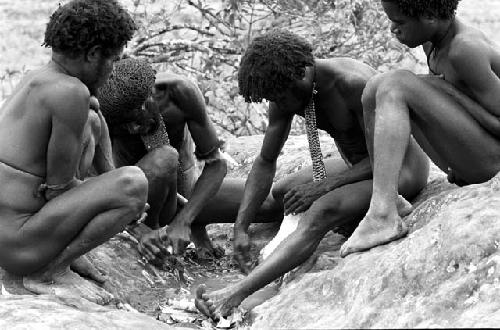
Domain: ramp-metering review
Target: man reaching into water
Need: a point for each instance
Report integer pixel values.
(49, 218)
(160, 123)
(280, 67)
(452, 113)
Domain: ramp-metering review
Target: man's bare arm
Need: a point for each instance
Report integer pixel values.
(260, 179)
(69, 106)
(189, 99)
(471, 61)
(103, 158)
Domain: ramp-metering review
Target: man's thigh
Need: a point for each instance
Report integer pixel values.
(333, 166)
(343, 207)
(448, 132)
(61, 219)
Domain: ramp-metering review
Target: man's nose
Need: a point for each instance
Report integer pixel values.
(395, 30)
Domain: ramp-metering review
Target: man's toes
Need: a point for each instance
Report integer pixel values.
(200, 291)
(201, 301)
(346, 249)
(98, 277)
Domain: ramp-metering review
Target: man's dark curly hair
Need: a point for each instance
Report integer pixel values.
(271, 62)
(444, 9)
(82, 24)
(128, 87)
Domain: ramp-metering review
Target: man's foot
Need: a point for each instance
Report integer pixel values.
(216, 304)
(204, 247)
(372, 232)
(404, 207)
(68, 284)
(85, 268)
(204, 253)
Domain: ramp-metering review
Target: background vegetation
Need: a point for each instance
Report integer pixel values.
(204, 39)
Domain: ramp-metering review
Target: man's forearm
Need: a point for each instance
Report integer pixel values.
(206, 186)
(486, 119)
(257, 187)
(358, 172)
(103, 161)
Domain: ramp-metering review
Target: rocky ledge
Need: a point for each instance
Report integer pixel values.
(445, 273)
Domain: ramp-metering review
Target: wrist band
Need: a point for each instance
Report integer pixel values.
(42, 189)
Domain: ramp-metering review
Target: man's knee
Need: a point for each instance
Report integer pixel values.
(161, 162)
(323, 215)
(278, 190)
(368, 97)
(24, 261)
(132, 184)
(396, 85)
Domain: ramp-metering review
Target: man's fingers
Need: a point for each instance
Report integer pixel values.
(301, 208)
(290, 201)
(293, 208)
(148, 255)
(142, 217)
(154, 249)
(243, 262)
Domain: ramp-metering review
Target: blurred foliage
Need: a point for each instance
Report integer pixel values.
(204, 39)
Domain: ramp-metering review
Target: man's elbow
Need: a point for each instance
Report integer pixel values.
(219, 166)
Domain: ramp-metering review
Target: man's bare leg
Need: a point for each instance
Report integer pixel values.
(113, 200)
(223, 208)
(439, 122)
(160, 166)
(85, 268)
(338, 207)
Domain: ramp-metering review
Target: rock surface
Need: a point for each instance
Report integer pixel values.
(45, 312)
(446, 273)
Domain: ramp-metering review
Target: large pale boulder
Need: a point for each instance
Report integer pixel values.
(445, 273)
(46, 312)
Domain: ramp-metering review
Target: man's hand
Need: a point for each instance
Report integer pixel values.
(300, 198)
(242, 251)
(178, 234)
(55, 190)
(453, 178)
(152, 246)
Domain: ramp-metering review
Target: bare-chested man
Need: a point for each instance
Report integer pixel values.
(280, 67)
(134, 119)
(49, 218)
(452, 113)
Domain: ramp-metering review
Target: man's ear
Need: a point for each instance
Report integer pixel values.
(429, 16)
(159, 91)
(94, 54)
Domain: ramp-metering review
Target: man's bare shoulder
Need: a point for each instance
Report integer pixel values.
(60, 96)
(346, 74)
(173, 80)
(63, 93)
(470, 40)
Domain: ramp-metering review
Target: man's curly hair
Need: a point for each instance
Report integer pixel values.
(444, 9)
(130, 84)
(271, 63)
(82, 24)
